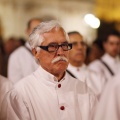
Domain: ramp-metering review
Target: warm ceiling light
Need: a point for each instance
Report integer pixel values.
(91, 20)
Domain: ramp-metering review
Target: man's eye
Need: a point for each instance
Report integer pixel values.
(74, 43)
(52, 46)
(65, 44)
(82, 43)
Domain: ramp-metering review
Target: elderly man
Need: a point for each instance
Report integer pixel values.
(49, 93)
(21, 62)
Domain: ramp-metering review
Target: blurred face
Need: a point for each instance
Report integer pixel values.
(49, 60)
(78, 53)
(33, 24)
(95, 52)
(112, 45)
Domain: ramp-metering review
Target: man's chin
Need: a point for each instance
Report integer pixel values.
(62, 63)
(79, 60)
(114, 54)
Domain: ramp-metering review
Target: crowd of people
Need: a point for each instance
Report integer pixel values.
(52, 76)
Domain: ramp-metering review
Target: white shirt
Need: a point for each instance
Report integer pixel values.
(77, 71)
(21, 63)
(5, 86)
(40, 97)
(113, 63)
(94, 80)
(109, 106)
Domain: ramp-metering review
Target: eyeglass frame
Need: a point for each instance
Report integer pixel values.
(61, 45)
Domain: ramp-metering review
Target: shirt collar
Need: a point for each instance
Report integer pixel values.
(45, 76)
(81, 68)
(27, 45)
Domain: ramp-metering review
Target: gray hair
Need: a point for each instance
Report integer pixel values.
(36, 38)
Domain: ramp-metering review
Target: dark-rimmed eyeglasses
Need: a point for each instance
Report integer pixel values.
(54, 47)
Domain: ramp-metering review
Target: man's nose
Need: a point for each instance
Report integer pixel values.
(60, 50)
(79, 45)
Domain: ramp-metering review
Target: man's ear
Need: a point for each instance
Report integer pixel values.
(34, 52)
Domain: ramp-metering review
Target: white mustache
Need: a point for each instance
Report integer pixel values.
(59, 58)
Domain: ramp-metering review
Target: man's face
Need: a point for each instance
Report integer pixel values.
(112, 45)
(46, 58)
(78, 52)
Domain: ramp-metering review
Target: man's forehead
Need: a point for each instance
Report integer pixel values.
(54, 36)
(112, 38)
(53, 32)
(75, 37)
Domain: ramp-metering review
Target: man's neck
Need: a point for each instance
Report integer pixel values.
(112, 55)
(76, 64)
(59, 77)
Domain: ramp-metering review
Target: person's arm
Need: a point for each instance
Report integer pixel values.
(14, 108)
(96, 82)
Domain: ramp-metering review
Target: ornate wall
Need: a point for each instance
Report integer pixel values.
(15, 14)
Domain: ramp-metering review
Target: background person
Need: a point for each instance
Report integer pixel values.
(95, 51)
(21, 62)
(109, 64)
(77, 66)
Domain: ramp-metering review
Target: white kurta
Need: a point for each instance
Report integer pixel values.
(5, 86)
(109, 106)
(21, 63)
(40, 97)
(113, 63)
(94, 80)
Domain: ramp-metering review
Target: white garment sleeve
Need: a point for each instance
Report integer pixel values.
(109, 106)
(96, 82)
(16, 107)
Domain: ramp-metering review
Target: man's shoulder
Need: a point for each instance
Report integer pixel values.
(18, 51)
(95, 62)
(24, 81)
(95, 65)
(22, 87)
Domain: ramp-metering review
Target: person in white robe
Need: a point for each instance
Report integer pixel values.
(109, 64)
(77, 66)
(49, 93)
(109, 105)
(5, 87)
(21, 62)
